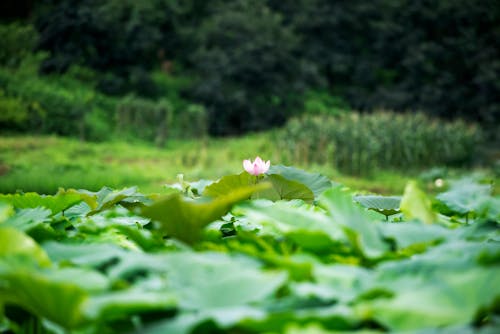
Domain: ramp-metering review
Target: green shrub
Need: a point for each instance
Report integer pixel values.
(324, 103)
(69, 105)
(172, 86)
(66, 108)
(143, 119)
(97, 124)
(149, 120)
(60, 105)
(359, 143)
(16, 42)
(190, 122)
(249, 77)
(12, 110)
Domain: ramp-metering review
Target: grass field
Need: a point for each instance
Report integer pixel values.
(43, 164)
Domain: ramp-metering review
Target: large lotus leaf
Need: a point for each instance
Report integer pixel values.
(338, 317)
(416, 205)
(316, 182)
(144, 238)
(106, 236)
(256, 321)
(310, 228)
(414, 232)
(466, 196)
(181, 324)
(490, 209)
(214, 286)
(43, 294)
(228, 183)
(55, 204)
(441, 287)
(118, 226)
(185, 219)
(453, 255)
(107, 198)
(28, 219)
(116, 304)
(79, 210)
(211, 280)
(90, 198)
(226, 317)
(112, 219)
(185, 322)
(204, 285)
(93, 255)
(205, 280)
(284, 189)
(335, 282)
(316, 328)
(14, 242)
(483, 230)
(298, 265)
(137, 263)
(85, 278)
(96, 198)
(359, 223)
(451, 298)
(386, 205)
(120, 264)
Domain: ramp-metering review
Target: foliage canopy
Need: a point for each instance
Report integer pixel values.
(252, 60)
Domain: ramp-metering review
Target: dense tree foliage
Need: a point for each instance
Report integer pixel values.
(119, 38)
(438, 56)
(252, 60)
(250, 72)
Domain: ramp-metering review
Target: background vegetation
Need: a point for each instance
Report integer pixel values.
(167, 71)
(252, 64)
(360, 143)
(45, 164)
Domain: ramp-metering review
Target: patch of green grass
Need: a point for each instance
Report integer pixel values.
(43, 164)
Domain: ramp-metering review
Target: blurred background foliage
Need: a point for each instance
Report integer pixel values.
(252, 64)
(166, 70)
(361, 144)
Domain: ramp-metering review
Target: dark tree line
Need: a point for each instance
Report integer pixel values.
(253, 59)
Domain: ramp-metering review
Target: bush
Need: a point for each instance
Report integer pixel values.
(13, 111)
(59, 105)
(69, 105)
(16, 42)
(359, 143)
(324, 103)
(191, 122)
(250, 78)
(143, 119)
(156, 121)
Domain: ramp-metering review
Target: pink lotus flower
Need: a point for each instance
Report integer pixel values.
(257, 167)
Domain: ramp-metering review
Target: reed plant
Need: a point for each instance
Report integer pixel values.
(358, 144)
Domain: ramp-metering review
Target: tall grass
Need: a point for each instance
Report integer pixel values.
(360, 143)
